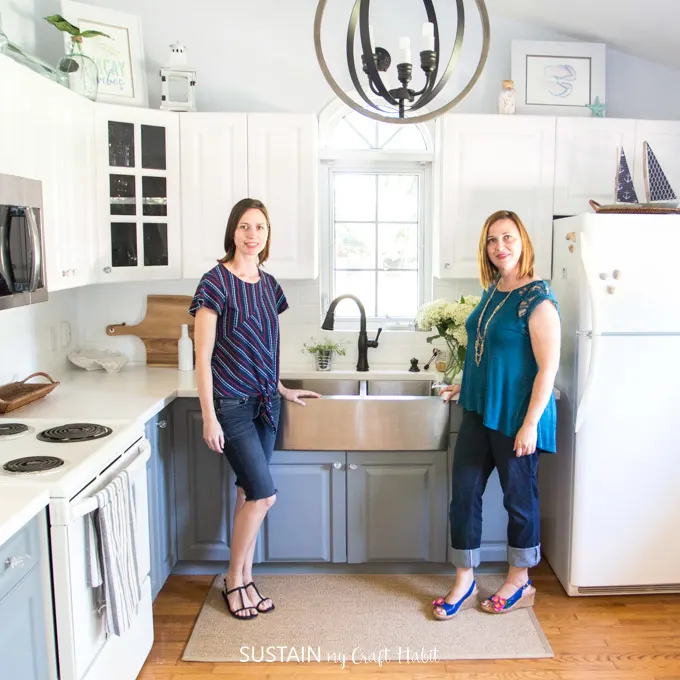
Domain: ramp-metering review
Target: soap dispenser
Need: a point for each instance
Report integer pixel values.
(185, 350)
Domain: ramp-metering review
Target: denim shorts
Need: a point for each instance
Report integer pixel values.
(249, 442)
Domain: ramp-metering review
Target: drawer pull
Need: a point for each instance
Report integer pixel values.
(16, 562)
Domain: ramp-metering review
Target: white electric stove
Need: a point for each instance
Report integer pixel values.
(74, 460)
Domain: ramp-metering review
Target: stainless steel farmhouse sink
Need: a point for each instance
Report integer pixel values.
(364, 415)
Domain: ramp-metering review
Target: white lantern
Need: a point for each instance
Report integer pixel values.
(178, 81)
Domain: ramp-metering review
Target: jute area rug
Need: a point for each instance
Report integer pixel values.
(361, 618)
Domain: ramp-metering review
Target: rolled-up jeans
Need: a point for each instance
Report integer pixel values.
(249, 442)
(478, 451)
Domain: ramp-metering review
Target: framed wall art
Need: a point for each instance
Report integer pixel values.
(119, 59)
(558, 78)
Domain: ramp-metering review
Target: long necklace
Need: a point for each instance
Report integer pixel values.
(480, 340)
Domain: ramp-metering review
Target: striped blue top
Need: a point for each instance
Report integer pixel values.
(245, 360)
(499, 389)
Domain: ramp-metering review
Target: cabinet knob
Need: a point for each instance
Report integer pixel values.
(107, 270)
(162, 424)
(337, 466)
(617, 274)
(611, 290)
(15, 562)
(64, 272)
(447, 265)
(352, 466)
(571, 236)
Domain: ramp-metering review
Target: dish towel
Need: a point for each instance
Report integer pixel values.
(112, 555)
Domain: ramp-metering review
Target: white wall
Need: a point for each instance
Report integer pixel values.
(259, 55)
(25, 345)
(126, 302)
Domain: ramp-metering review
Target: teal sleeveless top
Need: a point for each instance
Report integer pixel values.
(499, 389)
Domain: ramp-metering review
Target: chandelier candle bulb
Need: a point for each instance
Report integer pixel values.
(428, 36)
(405, 47)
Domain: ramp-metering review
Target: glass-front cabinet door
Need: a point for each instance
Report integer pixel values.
(138, 194)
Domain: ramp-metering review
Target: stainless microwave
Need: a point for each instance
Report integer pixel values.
(22, 250)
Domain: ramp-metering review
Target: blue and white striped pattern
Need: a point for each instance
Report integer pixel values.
(245, 361)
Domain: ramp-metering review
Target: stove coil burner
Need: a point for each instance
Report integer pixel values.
(12, 429)
(33, 464)
(74, 432)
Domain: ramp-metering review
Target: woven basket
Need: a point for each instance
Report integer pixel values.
(632, 209)
(17, 394)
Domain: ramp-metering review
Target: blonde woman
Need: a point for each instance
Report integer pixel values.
(509, 414)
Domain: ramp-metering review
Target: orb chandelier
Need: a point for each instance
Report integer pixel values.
(401, 104)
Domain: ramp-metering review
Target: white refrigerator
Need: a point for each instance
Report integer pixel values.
(610, 498)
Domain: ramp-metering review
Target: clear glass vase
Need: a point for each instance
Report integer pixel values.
(79, 73)
(324, 360)
(454, 365)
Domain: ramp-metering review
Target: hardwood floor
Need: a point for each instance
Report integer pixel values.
(597, 638)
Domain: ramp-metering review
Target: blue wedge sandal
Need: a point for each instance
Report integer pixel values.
(524, 597)
(468, 601)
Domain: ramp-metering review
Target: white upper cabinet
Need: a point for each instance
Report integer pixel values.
(283, 169)
(138, 194)
(663, 136)
(69, 194)
(272, 157)
(490, 163)
(214, 152)
(586, 161)
(47, 134)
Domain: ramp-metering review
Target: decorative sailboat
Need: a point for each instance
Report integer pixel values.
(658, 190)
(659, 194)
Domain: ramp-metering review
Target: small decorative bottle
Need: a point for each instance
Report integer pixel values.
(185, 350)
(506, 99)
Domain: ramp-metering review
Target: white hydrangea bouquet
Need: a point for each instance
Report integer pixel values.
(449, 320)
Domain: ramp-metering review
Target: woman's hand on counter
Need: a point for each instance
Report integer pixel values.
(448, 392)
(213, 435)
(294, 395)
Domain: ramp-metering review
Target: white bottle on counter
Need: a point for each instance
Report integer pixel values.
(185, 350)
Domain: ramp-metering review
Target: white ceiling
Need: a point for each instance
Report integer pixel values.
(649, 29)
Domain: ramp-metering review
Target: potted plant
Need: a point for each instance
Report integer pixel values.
(76, 70)
(324, 351)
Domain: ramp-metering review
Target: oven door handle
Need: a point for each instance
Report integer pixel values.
(85, 507)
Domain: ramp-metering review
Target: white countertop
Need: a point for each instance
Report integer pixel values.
(18, 507)
(138, 392)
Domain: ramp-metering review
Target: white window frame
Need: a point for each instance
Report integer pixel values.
(334, 161)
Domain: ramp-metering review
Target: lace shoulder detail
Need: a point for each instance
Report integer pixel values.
(531, 296)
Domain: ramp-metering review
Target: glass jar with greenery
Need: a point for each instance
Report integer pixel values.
(324, 351)
(76, 70)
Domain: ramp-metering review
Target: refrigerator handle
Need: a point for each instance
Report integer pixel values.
(594, 335)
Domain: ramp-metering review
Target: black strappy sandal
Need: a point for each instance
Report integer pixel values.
(234, 612)
(261, 600)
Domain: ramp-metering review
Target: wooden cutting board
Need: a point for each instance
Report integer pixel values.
(161, 328)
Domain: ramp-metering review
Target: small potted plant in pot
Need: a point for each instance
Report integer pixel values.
(324, 351)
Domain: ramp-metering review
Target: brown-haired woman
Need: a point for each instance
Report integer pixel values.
(236, 306)
(509, 413)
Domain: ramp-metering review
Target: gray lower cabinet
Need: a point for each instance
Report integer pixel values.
(331, 507)
(396, 506)
(26, 625)
(204, 491)
(494, 516)
(161, 493)
(308, 522)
